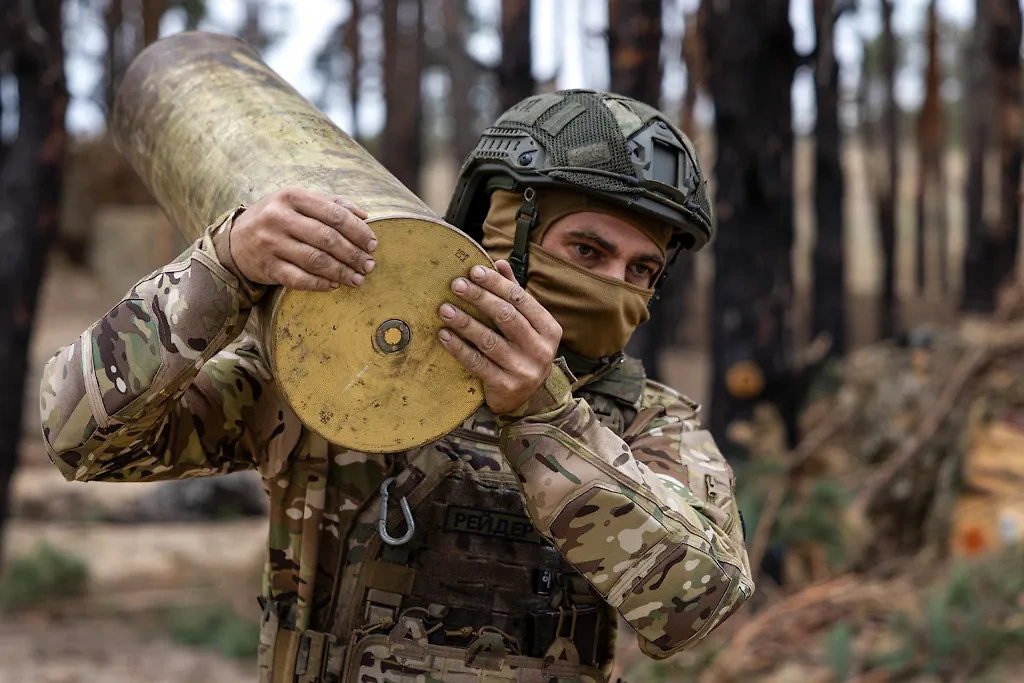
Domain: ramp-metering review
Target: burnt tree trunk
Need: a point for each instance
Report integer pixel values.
(634, 55)
(932, 216)
(152, 12)
(401, 147)
(634, 49)
(252, 30)
(515, 72)
(3, 142)
(829, 309)
(995, 73)
(353, 46)
(976, 297)
(30, 185)
(751, 60)
(694, 56)
(887, 193)
(113, 18)
(1004, 234)
(462, 72)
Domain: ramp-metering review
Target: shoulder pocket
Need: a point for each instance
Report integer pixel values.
(127, 354)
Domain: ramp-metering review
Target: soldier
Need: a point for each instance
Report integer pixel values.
(502, 551)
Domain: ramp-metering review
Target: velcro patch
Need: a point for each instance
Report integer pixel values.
(490, 523)
(590, 155)
(560, 120)
(532, 108)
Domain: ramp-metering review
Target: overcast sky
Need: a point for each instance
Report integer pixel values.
(560, 29)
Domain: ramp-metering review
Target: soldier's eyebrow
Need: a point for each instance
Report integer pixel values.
(653, 257)
(596, 239)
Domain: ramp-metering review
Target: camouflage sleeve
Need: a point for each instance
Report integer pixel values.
(651, 520)
(163, 386)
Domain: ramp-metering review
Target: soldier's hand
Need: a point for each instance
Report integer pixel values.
(303, 240)
(514, 364)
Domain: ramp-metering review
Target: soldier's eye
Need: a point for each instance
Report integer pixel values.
(585, 250)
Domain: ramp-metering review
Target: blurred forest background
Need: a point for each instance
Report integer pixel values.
(853, 332)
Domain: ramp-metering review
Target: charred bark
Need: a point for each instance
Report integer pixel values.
(353, 46)
(634, 49)
(887, 193)
(995, 87)
(463, 73)
(152, 12)
(515, 72)
(694, 56)
(3, 141)
(30, 185)
(976, 297)
(113, 18)
(401, 150)
(1004, 235)
(252, 31)
(932, 216)
(752, 60)
(829, 307)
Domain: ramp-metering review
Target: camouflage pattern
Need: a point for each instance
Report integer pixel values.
(652, 523)
(168, 385)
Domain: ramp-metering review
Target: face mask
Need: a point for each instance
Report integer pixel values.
(598, 314)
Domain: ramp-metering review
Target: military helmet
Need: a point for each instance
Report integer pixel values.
(616, 148)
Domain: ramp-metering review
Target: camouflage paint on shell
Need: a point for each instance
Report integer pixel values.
(208, 126)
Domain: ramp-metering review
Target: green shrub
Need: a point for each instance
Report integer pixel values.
(216, 627)
(45, 574)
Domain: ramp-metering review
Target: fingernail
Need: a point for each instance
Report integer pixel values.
(371, 245)
(357, 279)
(478, 272)
(445, 335)
(460, 285)
(335, 285)
(447, 311)
(368, 266)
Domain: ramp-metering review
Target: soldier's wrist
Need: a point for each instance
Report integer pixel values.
(551, 398)
(221, 236)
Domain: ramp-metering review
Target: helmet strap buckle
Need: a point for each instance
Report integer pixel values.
(526, 220)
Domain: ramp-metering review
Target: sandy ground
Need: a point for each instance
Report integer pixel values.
(86, 649)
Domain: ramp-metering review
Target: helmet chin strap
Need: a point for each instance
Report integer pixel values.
(526, 220)
(519, 260)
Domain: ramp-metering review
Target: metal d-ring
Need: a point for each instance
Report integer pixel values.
(382, 523)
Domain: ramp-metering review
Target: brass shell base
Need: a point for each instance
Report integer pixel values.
(362, 366)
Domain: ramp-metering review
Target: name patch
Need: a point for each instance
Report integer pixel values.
(489, 523)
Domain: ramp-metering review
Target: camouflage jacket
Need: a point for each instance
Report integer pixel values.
(168, 385)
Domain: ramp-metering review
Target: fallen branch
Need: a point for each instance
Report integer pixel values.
(969, 364)
(847, 593)
(999, 340)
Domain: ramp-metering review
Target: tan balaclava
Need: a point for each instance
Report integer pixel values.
(598, 314)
